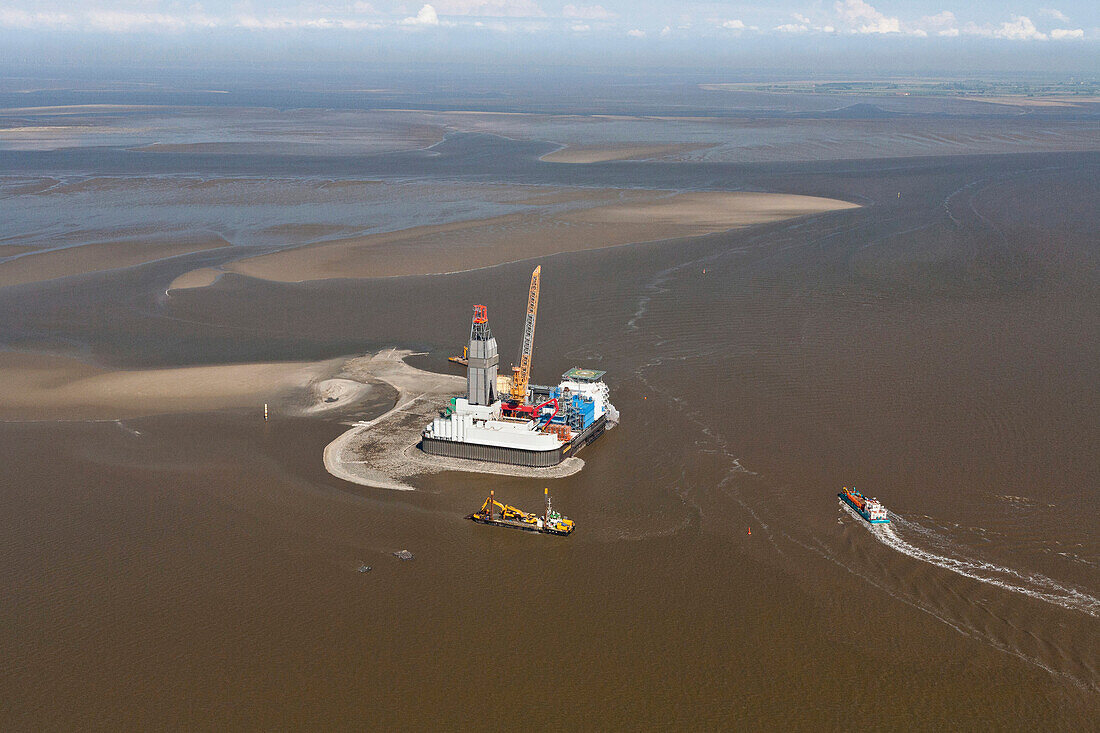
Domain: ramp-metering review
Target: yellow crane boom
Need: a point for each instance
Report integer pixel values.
(551, 522)
(506, 511)
(522, 374)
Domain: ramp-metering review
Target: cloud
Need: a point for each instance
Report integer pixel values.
(178, 16)
(124, 21)
(277, 22)
(1020, 28)
(803, 24)
(426, 16)
(942, 23)
(860, 17)
(587, 12)
(490, 8)
(121, 22)
(14, 18)
(494, 25)
(941, 19)
(112, 21)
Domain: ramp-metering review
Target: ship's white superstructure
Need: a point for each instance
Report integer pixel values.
(483, 425)
(875, 510)
(596, 391)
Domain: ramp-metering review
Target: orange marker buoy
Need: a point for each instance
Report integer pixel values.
(750, 530)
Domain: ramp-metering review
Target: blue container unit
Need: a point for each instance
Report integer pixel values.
(578, 411)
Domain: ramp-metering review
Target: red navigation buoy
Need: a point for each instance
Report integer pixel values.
(750, 530)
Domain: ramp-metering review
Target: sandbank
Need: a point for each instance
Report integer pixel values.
(604, 153)
(1065, 101)
(229, 148)
(73, 109)
(637, 216)
(196, 279)
(383, 452)
(75, 260)
(39, 387)
(10, 250)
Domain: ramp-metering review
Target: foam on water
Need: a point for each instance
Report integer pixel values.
(901, 533)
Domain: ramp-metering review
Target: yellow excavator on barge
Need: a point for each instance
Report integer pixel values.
(464, 360)
(505, 515)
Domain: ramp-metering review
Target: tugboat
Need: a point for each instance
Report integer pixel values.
(870, 509)
(554, 522)
(509, 516)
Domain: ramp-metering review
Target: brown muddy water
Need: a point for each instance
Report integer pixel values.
(938, 349)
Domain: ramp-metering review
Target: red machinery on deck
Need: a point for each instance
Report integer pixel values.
(531, 412)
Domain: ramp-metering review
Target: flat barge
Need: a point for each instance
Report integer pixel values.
(871, 510)
(504, 515)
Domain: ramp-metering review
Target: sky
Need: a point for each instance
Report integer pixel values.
(1000, 33)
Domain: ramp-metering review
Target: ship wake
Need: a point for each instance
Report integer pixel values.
(900, 533)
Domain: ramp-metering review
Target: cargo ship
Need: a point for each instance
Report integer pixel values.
(870, 509)
(504, 515)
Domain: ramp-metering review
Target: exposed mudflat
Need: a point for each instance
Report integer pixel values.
(639, 216)
(600, 154)
(42, 387)
(79, 259)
